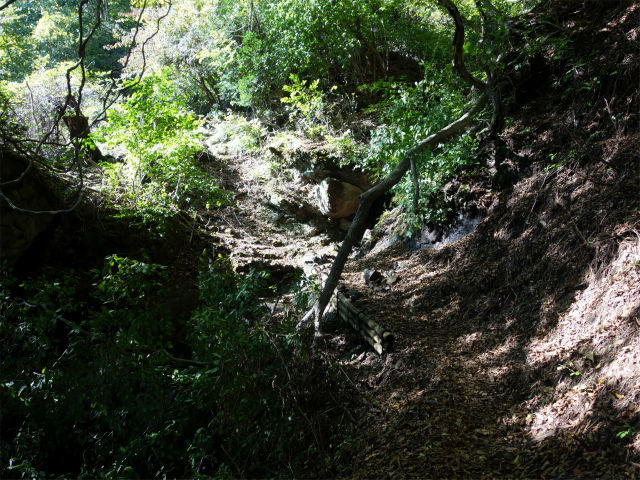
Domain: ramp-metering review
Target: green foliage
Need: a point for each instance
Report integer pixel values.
(305, 290)
(71, 372)
(93, 384)
(199, 40)
(235, 135)
(14, 57)
(628, 431)
(160, 140)
(408, 115)
(42, 33)
(307, 105)
(92, 364)
(242, 52)
(11, 131)
(331, 37)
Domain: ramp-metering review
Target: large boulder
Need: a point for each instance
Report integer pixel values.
(337, 199)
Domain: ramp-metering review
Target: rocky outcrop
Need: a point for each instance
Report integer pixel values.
(337, 199)
(18, 230)
(295, 204)
(317, 162)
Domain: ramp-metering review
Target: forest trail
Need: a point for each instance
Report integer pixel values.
(517, 351)
(505, 361)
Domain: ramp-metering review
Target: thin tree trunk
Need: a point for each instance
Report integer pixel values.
(367, 198)
(209, 92)
(416, 186)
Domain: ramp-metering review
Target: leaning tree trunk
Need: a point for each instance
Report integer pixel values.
(367, 198)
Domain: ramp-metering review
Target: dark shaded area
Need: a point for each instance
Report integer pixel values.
(378, 208)
(35, 192)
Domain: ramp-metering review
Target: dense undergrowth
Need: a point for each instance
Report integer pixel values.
(101, 382)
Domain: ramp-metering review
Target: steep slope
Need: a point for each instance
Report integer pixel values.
(516, 350)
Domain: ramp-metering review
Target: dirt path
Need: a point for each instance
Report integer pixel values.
(498, 368)
(517, 351)
(479, 382)
(251, 232)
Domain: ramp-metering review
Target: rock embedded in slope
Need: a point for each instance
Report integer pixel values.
(380, 280)
(337, 199)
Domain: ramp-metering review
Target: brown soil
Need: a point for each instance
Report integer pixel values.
(517, 351)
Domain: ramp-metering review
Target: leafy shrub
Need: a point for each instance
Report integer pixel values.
(408, 115)
(92, 385)
(309, 101)
(159, 136)
(236, 135)
(74, 373)
(11, 131)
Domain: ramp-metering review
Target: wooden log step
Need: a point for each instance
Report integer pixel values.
(371, 324)
(376, 345)
(349, 320)
(373, 333)
(345, 301)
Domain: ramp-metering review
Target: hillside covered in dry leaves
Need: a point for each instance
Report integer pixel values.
(517, 351)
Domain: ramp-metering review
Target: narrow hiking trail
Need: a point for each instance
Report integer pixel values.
(516, 348)
(506, 362)
(255, 234)
(476, 386)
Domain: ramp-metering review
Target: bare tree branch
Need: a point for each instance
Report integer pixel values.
(458, 47)
(460, 68)
(483, 22)
(75, 141)
(489, 88)
(114, 81)
(36, 212)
